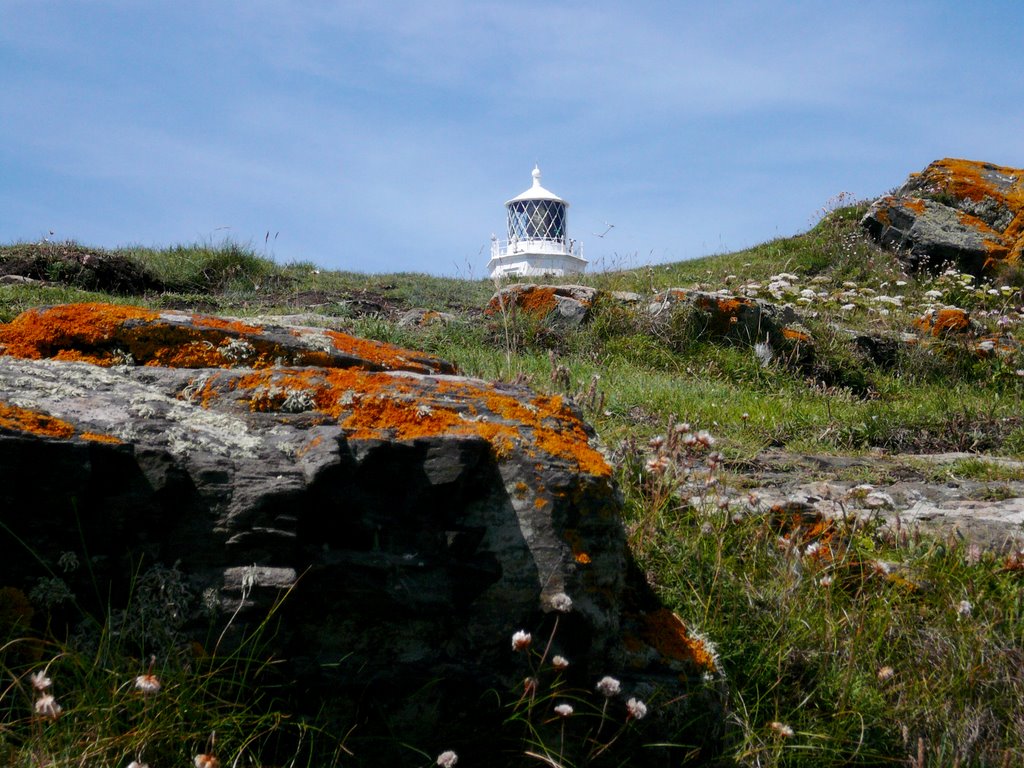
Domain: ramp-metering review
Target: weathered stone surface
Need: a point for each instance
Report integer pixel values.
(989, 515)
(410, 519)
(423, 318)
(566, 305)
(960, 211)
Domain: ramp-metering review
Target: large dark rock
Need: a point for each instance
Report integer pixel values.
(408, 520)
(967, 213)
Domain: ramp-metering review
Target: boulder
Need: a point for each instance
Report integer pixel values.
(401, 521)
(961, 211)
(736, 318)
(424, 318)
(561, 305)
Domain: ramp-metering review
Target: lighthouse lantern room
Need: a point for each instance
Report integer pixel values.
(538, 243)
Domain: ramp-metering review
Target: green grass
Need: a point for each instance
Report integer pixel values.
(805, 644)
(865, 668)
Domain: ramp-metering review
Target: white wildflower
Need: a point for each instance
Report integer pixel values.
(608, 686)
(521, 640)
(40, 681)
(964, 609)
(563, 710)
(206, 761)
(636, 709)
(885, 674)
(560, 662)
(47, 706)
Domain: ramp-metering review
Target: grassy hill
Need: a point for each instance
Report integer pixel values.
(894, 649)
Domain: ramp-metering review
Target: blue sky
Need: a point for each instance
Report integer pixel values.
(386, 136)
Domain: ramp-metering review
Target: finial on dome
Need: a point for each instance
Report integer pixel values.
(536, 175)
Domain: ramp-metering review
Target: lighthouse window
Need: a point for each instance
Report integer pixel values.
(536, 219)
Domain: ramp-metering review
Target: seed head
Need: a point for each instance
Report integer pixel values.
(781, 729)
(885, 674)
(559, 662)
(561, 602)
(147, 684)
(608, 686)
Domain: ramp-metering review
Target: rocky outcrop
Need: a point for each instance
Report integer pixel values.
(407, 519)
(960, 211)
(736, 318)
(565, 305)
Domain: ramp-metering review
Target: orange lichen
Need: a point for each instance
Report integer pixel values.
(724, 305)
(210, 321)
(966, 179)
(17, 419)
(795, 335)
(388, 357)
(375, 405)
(96, 437)
(944, 321)
(671, 295)
(915, 204)
(104, 334)
(401, 420)
(539, 302)
(664, 631)
(40, 333)
(536, 301)
(575, 542)
(794, 518)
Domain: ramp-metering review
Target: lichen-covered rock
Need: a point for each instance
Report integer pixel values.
(737, 318)
(409, 518)
(946, 322)
(961, 211)
(565, 305)
(424, 318)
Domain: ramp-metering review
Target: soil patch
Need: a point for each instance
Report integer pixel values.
(78, 266)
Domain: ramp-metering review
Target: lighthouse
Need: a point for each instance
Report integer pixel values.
(538, 243)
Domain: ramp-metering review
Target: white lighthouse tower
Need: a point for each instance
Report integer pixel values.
(538, 242)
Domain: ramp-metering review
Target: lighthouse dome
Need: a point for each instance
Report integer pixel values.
(537, 192)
